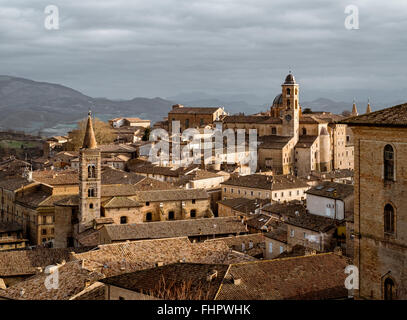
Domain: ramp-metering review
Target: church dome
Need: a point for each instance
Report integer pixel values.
(289, 79)
(278, 100)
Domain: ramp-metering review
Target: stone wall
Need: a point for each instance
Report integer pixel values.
(377, 255)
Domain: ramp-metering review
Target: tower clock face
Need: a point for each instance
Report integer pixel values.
(288, 117)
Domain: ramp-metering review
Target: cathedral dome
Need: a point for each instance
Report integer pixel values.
(278, 100)
(289, 79)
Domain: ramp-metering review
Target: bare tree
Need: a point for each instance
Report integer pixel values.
(103, 132)
(180, 290)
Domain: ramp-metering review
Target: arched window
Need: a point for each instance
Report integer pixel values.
(123, 220)
(193, 213)
(91, 192)
(91, 171)
(304, 131)
(388, 163)
(389, 289)
(171, 215)
(288, 91)
(389, 219)
(90, 205)
(149, 216)
(296, 104)
(288, 103)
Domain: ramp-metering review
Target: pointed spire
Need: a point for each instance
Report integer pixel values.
(368, 109)
(89, 141)
(354, 110)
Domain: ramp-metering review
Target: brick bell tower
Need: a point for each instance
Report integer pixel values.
(89, 178)
(291, 107)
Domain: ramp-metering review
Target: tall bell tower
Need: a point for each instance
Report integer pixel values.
(89, 178)
(291, 107)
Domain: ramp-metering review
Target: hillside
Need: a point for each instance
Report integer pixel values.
(32, 106)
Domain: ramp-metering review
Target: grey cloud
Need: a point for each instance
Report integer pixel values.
(119, 48)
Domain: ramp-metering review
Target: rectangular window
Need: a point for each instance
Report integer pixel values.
(281, 249)
(292, 233)
(270, 247)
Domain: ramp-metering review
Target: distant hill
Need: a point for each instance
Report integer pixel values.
(32, 106)
(324, 104)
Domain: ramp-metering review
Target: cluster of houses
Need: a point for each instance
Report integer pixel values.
(116, 226)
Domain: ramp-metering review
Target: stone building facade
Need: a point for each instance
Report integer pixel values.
(380, 219)
(193, 117)
(295, 143)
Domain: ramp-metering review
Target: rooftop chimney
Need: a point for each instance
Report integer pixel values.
(211, 275)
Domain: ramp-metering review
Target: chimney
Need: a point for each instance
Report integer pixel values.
(211, 275)
(237, 281)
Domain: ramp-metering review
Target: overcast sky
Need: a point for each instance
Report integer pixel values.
(129, 48)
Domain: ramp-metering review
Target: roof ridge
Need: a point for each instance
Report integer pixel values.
(287, 258)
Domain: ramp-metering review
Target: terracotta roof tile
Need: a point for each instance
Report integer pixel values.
(313, 277)
(170, 195)
(332, 190)
(266, 182)
(177, 281)
(176, 228)
(391, 117)
(194, 110)
(114, 259)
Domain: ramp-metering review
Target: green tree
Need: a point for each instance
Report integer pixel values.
(146, 135)
(104, 134)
